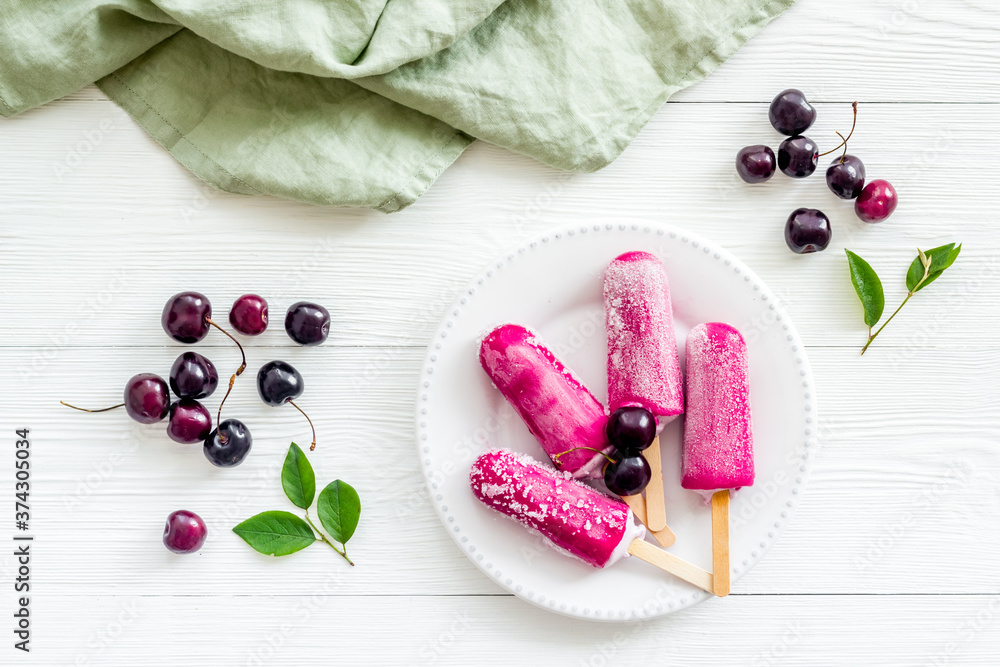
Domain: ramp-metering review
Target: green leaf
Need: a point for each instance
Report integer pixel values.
(276, 533)
(339, 509)
(297, 478)
(940, 259)
(868, 286)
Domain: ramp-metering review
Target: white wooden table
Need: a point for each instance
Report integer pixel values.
(891, 559)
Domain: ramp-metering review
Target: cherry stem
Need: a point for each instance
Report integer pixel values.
(854, 106)
(845, 148)
(113, 407)
(218, 416)
(575, 449)
(243, 366)
(312, 447)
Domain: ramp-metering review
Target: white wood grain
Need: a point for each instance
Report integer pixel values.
(891, 556)
(824, 631)
(903, 489)
(128, 192)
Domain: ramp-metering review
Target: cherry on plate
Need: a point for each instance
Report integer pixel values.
(627, 475)
(631, 429)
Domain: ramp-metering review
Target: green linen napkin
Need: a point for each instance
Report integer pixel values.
(366, 102)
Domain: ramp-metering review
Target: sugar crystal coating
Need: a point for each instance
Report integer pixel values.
(643, 364)
(575, 518)
(718, 433)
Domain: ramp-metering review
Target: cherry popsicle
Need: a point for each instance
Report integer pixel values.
(576, 519)
(643, 364)
(717, 455)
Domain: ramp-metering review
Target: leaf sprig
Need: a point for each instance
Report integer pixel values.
(925, 269)
(279, 533)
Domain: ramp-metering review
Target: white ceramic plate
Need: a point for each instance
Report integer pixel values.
(553, 284)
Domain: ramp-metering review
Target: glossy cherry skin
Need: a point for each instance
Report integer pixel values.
(797, 157)
(807, 230)
(755, 164)
(307, 323)
(193, 376)
(249, 315)
(627, 475)
(147, 398)
(876, 202)
(230, 453)
(790, 113)
(846, 179)
(278, 382)
(185, 317)
(190, 422)
(631, 429)
(184, 532)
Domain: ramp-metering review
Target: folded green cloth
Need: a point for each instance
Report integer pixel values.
(366, 102)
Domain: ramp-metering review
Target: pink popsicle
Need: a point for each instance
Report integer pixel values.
(718, 434)
(573, 517)
(643, 365)
(558, 410)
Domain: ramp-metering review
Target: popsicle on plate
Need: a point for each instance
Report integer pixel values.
(718, 432)
(558, 410)
(574, 518)
(643, 365)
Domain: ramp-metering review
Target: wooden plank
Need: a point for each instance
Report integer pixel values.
(826, 631)
(902, 488)
(388, 280)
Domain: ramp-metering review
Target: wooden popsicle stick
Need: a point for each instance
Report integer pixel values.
(720, 542)
(637, 504)
(656, 509)
(668, 562)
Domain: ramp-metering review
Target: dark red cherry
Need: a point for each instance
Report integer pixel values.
(627, 475)
(193, 376)
(229, 444)
(807, 230)
(876, 202)
(790, 113)
(184, 532)
(307, 323)
(190, 422)
(186, 317)
(755, 164)
(249, 315)
(278, 383)
(846, 177)
(631, 429)
(797, 157)
(147, 399)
